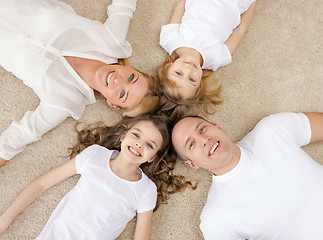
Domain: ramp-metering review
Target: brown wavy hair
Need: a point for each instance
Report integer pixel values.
(160, 171)
(204, 100)
(150, 102)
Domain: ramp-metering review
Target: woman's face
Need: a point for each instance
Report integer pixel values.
(122, 86)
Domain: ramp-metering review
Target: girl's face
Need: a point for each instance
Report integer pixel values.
(187, 74)
(122, 86)
(141, 143)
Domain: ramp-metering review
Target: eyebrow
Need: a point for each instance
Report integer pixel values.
(188, 139)
(149, 140)
(125, 99)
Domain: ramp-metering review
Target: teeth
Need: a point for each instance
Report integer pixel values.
(214, 147)
(108, 78)
(134, 151)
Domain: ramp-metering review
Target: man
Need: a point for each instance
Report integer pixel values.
(264, 186)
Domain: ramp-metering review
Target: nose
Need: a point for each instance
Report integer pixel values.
(203, 140)
(138, 145)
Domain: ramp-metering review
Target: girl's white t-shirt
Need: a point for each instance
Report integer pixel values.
(101, 204)
(205, 26)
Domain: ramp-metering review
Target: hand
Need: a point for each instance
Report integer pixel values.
(3, 162)
(4, 224)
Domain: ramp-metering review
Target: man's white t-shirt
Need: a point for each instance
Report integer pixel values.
(275, 191)
(101, 204)
(205, 26)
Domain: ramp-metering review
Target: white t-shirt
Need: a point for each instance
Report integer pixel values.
(101, 204)
(35, 35)
(275, 191)
(205, 26)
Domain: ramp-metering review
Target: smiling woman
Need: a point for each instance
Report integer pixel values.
(66, 62)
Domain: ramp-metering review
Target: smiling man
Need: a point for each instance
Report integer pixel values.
(264, 186)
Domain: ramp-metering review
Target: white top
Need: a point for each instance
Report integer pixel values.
(275, 191)
(35, 35)
(101, 204)
(205, 26)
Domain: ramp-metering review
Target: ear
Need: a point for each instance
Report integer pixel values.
(112, 105)
(122, 137)
(191, 164)
(152, 159)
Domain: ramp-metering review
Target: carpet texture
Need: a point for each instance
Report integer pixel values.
(276, 68)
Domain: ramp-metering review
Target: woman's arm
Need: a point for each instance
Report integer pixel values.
(178, 12)
(34, 189)
(143, 225)
(239, 32)
(29, 129)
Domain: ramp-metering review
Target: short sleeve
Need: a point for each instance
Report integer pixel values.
(82, 158)
(292, 127)
(216, 56)
(148, 202)
(168, 37)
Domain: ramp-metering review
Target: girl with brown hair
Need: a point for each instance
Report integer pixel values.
(118, 166)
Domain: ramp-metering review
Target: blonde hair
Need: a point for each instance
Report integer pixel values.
(150, 102)
(205, 99)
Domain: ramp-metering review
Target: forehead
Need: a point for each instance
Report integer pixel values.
(186, 128)
(148, 130)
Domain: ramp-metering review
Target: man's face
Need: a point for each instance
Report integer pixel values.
(203, 144)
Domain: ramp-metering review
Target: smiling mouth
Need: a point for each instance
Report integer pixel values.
(109, 77)
(213, 149)
(132, 150)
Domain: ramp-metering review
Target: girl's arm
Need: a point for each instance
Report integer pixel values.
(178, 12)
(143, 225)
(34, 189)
(239, 32)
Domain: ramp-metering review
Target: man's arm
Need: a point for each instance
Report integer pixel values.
(239, 32)
(316, 121)
(34, 189)
(178, 12)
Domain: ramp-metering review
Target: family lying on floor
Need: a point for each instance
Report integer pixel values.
(264, 186)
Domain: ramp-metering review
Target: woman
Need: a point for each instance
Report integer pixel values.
(63, 57)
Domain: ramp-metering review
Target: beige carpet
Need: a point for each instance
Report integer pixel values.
(277, 67)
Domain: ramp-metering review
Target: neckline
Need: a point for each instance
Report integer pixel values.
(233, 172)
(113, 155)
